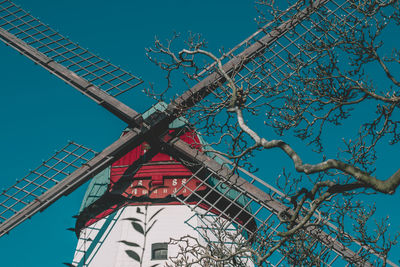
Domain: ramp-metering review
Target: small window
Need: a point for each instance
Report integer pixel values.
(159, 251)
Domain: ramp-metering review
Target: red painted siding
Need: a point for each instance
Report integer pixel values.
(156, 169)
(158, 178)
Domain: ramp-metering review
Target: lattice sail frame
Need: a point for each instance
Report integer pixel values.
(96, 78)
(40, 180)
(283, 54)
(110, 78)
(262, 209)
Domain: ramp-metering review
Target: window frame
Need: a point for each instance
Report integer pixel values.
(159, 247)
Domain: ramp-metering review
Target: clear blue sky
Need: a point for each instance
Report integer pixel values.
(39, 113)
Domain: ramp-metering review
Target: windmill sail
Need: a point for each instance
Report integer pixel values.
(259, 216)
(90, 74)
(14, 206)
(31, 193)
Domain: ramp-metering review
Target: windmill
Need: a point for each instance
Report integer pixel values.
(152, 129)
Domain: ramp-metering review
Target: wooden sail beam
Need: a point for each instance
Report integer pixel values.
(184, 152)
(110, 103)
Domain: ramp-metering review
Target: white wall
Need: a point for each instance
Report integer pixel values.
(100, 244)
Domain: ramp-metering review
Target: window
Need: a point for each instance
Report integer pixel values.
(159, 251)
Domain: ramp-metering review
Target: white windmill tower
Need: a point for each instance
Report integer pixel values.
(151, 184)
(133, 208)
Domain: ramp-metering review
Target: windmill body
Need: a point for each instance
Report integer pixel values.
(113, 241)
(130, 211)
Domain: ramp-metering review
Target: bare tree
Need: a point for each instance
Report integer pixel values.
(319, 72)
